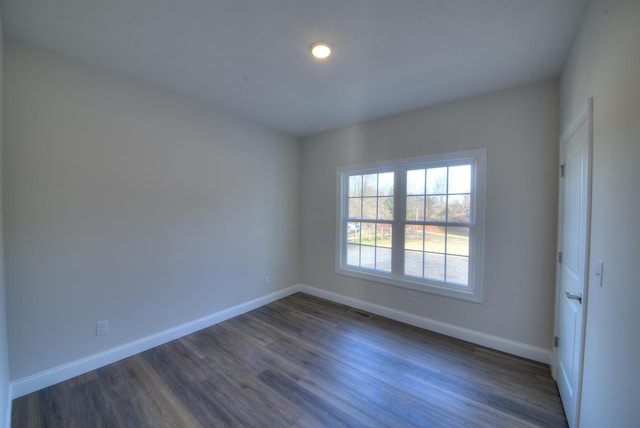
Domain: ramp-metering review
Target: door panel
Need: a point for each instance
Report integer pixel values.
(574, 158)
(572, 271)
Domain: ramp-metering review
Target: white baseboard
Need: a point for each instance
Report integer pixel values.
(66, 371)
(494, 342)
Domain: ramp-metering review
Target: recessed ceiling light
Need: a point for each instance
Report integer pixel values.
(320, 50)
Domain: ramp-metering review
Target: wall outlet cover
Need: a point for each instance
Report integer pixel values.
(102, 328)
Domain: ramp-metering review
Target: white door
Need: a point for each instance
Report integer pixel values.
(573, 257)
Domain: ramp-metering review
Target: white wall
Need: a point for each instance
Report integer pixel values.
(605, 63)
(5, 403)
(130, 204)
(519, 129)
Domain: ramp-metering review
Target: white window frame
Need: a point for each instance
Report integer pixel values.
(471, 292)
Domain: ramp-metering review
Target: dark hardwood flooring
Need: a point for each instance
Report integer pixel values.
(304, 362)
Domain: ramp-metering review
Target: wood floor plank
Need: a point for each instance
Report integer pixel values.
(158, 396)
(120, 393)
(26, 411)
(312, 405)
(253, 400)
(168, 363)
(304, 362)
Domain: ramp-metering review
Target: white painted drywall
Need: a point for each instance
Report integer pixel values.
(5, 400)
(605, 63)
(129, 204)
(519, 129)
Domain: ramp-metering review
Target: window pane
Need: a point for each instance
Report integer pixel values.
(415, 182)
(383, 235)
(368, 257)
(434, 266)
(459, 208)
(369, 208)
(460, 179)
(370, 185)
(434, 238)
(355, 185)
(413, 237)
(368, 233)
(385, 184)
(385, 208)
(437, 181)
(413, 263)
(458, 270)
(415, 208)
(353, 232)
(355, 207)
(436, 208)
(383, 259)
(353, 255)
(458, 240)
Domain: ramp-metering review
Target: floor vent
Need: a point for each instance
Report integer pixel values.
(360, 313)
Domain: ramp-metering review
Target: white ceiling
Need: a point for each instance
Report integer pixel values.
(250, 57)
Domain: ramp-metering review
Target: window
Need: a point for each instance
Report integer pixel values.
(416, 223)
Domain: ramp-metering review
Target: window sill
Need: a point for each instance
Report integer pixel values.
(431, 287)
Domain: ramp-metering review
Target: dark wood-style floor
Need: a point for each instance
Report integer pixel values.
(304, 362)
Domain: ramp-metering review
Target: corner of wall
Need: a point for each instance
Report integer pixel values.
(5, 386)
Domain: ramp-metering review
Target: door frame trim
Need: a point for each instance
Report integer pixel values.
(586, 115)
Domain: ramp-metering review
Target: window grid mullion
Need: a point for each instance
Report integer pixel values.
(446, 228)
(424, 229)
(397, 228)
(375, 231)
(438, 223)
(360, 219)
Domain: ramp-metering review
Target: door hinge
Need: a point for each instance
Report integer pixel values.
(560, 257)
(555, 341)
(562, 170)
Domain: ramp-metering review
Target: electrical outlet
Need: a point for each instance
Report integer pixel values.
(102, 328)
(410, 295)
(267, 280)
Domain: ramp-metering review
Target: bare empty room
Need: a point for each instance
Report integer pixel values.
(320, 213)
